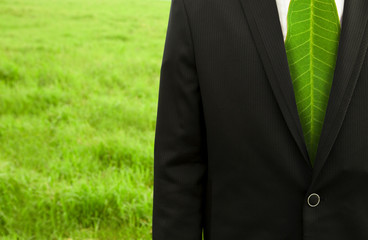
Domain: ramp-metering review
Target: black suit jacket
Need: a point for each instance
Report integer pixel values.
(230, 157)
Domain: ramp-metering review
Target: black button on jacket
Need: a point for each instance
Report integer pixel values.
(230, 161)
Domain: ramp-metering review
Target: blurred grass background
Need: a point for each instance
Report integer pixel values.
(78, 95)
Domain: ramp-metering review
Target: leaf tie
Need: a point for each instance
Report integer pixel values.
(313, 31)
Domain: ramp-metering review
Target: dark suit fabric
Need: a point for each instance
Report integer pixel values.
(229, 158)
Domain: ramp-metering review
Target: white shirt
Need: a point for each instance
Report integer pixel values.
(283, 7)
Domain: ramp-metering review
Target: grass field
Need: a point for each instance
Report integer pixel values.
(78, 97)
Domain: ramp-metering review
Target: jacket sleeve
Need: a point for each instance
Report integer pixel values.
(180, 155)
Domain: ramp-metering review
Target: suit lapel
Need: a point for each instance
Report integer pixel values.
(264, 23)
(351, 53)
(263, 19)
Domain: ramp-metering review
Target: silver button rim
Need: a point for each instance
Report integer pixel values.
(313, 205)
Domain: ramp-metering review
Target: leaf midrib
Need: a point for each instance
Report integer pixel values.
(311, 67)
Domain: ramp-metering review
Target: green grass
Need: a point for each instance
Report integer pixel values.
(78, 97)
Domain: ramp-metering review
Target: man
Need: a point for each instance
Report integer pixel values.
(231, 158)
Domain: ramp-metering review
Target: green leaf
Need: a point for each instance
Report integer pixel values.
(313, 31)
